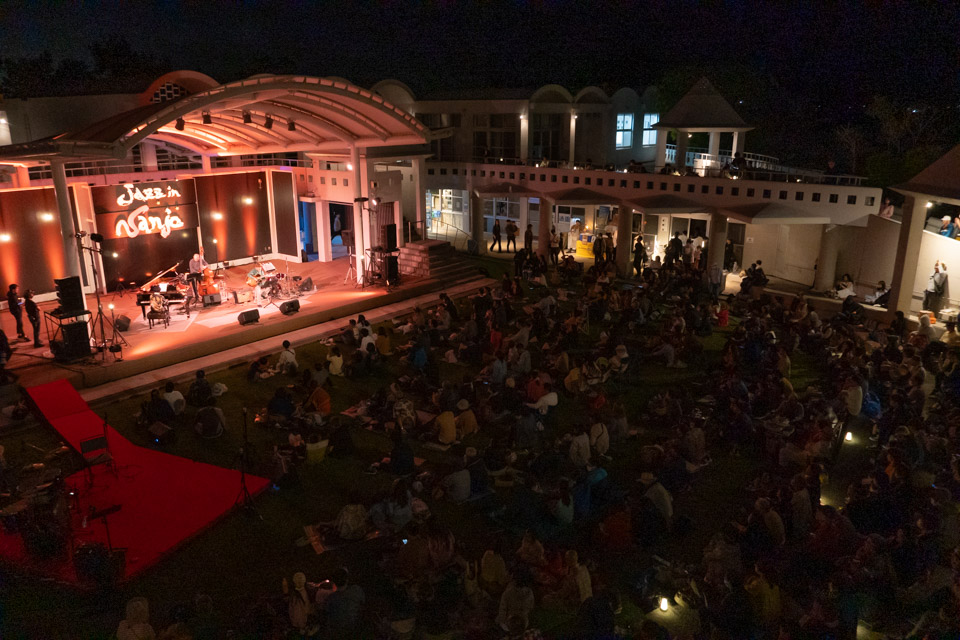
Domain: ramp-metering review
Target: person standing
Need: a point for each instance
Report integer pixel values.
(886, 209)
(33, 314)
(511, 235)
(14, 307)
(599, 246)
(337, 225)
(715, 280)
(554, 246)
(639, 255)
(528, 238)
(496, 237)
(573, 235)
(936, 284)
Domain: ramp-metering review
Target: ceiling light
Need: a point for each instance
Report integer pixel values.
(350, 168)
(929, 204)
(3, 121)
(207, 119)
(246, 118)
(268, 122)
(180, 124)
(291, 125)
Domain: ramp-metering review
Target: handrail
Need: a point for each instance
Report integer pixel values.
(458, 232)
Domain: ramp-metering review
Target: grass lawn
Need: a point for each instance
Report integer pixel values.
(242, 558)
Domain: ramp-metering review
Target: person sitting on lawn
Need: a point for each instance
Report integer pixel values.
(210, 421)
(335, 358)
(259, 370)
(287, 360)
(445, 428)
(466, 419)
(174, 398)
(455, 486)
(200, 391)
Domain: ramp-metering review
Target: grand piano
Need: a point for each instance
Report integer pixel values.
(170, 285)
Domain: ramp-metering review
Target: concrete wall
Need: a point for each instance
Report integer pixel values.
(934, 247)
(788, 251)
(867, 253)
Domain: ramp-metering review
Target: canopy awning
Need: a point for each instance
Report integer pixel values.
(262, 114)
(580, 196)
(669, 204)
(507, 190)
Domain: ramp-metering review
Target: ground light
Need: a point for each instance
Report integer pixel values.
(664, 604)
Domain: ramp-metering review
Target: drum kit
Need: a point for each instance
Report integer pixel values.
(276, 285)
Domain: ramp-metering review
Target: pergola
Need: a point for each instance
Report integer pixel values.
(258, 115)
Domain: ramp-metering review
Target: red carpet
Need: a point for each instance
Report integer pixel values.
(164, 499)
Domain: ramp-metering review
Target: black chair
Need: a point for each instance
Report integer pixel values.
(95, 452)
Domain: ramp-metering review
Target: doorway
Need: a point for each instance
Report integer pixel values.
(341, 219)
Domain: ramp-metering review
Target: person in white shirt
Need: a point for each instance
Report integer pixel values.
(546, 401)
(365, 339)
(580, 448)
(547, 304)
(871, 298)
(174, 398)
(287, 361)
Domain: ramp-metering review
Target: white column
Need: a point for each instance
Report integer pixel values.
(400, 222)
(68, 231)
(477, 222)
(324, 233)
(713, 148)
(524, 218)
(357, 226)
(573, 138)
(205, 163)
(624, 240)
(718, 240)
(274, 248)
(420, 197)
(524, 137)
(738, 140)
(148, 155)
(661, 157)
(908, 250)
(827, 259)
(23, 176)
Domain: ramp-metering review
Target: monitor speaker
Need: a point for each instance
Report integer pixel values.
(306, 285)
(211, 299)
(393, 270)
(75, 344)
(388, 237)
(248, 317)
(122, 323)
(290, 307)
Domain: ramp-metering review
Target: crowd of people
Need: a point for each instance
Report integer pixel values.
(542, 438)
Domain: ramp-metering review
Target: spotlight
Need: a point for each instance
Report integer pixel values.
(350, 168)
(5, 237)
(246, 118)
(116, 255)
(373, 202)
(179, 126)
(207, 119)
(268, 122)
(216, 215)
(110, 306)
(3, 121)
(664, 604)
(46, 217)
(214, 241)
(291, 125)
(248, 200)
(96, 237)
(929, 204)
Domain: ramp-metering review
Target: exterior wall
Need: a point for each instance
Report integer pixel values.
(788, 251)
(866, 253)
(935, 247)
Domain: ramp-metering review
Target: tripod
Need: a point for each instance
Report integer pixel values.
(100, 337)
(244, 501)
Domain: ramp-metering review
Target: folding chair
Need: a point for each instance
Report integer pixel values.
(96, 451)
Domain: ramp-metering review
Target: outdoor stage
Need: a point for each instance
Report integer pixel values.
(163, 499)
(210, 330)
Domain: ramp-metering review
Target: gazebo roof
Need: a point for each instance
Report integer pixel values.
(261, 114)
(702, 108)
(939, 180)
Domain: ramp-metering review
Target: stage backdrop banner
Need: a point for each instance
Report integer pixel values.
(143, 221)
(130, 196)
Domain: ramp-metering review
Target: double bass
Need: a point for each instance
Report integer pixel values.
(208, 285)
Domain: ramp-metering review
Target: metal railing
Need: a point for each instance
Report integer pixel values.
(457, 237)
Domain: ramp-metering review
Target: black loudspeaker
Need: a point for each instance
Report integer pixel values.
(346, 237)
(393, 270)
(211, 299)
(306, 285)
(248, 317)
(75, 343)
(388, 237)
(290, 307)
(122, 323)
(69, 294)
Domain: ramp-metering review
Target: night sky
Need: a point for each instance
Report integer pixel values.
(837, 51)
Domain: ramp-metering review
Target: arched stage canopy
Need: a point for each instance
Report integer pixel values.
(261, 114)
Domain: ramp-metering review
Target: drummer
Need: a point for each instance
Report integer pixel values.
(197, 265)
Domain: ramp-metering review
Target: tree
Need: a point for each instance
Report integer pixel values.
(850, 138)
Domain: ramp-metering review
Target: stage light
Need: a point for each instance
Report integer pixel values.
(523, 117)
(350, 168)
(180, 124)
(216, 215)
(214, 241)
(3, 121)
(116, 255)
(268, 122)
(46, 217)
(96, 237)
(574, 116)
(373, 202)
(248, 200)
(664, 604)
(5, 237)
(207, 119)
(291, 125)
(110, 306)
(246, 118)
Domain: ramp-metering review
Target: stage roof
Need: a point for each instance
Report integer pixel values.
(284, 113)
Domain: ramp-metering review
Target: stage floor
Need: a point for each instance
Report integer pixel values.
(206, 330)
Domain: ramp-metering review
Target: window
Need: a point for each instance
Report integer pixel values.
(704, 189)
(587, 180)
(649, 133)
(636, 184)
(799, 196)
(834, 198)
(783, 195)
(719, 191)
(869, 201)
(649, 184)
(851, 199)
(815, 197)
(564, 178)
(751, 192)
(624, 130)
(766, 193)
(691, 188)
(734, 191)
(676, 186)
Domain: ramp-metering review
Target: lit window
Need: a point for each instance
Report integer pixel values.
(649, 133)
(624, 130)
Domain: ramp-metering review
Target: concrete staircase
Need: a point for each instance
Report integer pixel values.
(435, 259)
